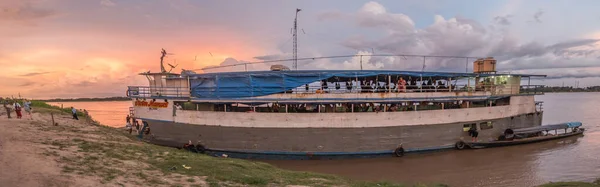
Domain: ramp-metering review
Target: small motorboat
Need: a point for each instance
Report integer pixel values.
(527, 135)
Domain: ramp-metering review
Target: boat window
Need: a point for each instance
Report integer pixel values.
(466, 127)
(486, 125)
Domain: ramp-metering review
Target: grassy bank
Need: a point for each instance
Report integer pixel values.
(113, 157)
(573, 184)
(48, 107)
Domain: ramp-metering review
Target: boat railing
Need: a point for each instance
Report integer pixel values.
(532, 89)
(184, 92)
(504, 89)
(145, 91)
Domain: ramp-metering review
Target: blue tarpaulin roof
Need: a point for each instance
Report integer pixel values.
(260, 83)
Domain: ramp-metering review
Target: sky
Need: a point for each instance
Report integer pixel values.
(96, 48)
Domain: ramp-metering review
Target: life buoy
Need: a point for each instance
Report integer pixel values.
(399, 152)
(459, 145)
(127, 93)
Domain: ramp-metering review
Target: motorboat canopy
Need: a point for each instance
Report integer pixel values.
(547, 128)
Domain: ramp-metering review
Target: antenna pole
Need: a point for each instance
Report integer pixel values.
(467, 65)
(295, 33)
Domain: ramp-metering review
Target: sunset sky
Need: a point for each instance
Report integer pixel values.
(95, 48)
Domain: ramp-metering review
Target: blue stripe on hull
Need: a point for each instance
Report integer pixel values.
(282, 155)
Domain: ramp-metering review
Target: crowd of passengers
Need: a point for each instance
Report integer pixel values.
(401, 85)
(342, 107)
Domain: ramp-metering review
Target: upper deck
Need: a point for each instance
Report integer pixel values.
(333, 85)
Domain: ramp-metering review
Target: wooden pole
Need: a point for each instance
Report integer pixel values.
(52, 115)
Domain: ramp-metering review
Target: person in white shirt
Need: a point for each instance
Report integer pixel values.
(74, 111)
(27, 107)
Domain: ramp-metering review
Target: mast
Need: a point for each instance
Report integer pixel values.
(295, 35)
(162, 56)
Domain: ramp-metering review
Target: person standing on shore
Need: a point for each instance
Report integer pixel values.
(87, 115)
(74, 111)
(18, 110)
(27, 107)
(6, 106)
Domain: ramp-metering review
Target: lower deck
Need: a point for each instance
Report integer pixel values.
(305, 143)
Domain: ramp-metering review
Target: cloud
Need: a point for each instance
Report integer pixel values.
(35, 73)
(578, 73)
(27, 84)
(535, 49)
(502, 20)
(107, 3)
(23, 11)
(330, 15)
(83, 84)
(574, 43)
(273, 57)
(232, 64)
(360, 60)
(375, 15)
(458, 37)
(538, 15)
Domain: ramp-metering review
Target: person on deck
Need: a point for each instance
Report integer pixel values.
(473, 133)
(74, 111)
(401, 85)
(18, 110)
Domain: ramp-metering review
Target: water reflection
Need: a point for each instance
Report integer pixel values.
(508, 166)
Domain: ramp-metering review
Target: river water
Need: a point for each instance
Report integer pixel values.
(109, 113)
(571, 159)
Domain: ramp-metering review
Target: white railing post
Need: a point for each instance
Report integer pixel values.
(450, 84)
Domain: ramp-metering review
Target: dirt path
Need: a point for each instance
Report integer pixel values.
(22, 159)
(74, 153)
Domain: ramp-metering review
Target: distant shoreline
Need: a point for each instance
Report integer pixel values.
(87, 99)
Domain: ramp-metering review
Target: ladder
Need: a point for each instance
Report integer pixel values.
(131, 112)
